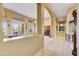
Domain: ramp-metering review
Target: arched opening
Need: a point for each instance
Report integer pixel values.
(47, 27)
(71, 28)
(49, 24)
(53, 20)
(46, 18)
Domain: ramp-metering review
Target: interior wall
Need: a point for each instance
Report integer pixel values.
(47, 18)
(47, 21)
(69, 18)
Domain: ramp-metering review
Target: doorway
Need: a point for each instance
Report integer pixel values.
(47, 28)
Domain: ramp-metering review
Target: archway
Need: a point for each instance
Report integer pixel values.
(71, 28)
(53, 19)
(40, 20)
(47, 26)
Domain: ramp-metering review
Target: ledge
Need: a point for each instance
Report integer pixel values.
(17, 38)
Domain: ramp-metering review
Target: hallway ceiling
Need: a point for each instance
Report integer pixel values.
(28, 9)
(61, 9)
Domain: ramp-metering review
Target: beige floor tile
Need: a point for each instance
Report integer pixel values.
(56, 47)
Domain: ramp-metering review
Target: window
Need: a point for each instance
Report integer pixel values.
(30, 27)
(16, 26)
(18, 29)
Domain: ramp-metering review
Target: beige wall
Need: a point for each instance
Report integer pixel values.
(47, 21)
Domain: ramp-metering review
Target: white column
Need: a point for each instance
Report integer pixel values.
(25, 28)
(10, 28)
(9, 17)
(53, 27)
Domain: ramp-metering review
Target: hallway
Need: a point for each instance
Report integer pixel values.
(56, 47)
(47, 30)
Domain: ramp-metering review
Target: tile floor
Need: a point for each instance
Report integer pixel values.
(56, 47)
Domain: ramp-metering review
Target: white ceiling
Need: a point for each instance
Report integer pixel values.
(61, 9)
(28, 9)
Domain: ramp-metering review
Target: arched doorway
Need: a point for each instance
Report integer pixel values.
(47, 26)
(40, 19)
(53, 19)
(47, 23)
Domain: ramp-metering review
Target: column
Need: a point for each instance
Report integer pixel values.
(58, 29)
(25, 27)
(40, 19)
(1, 18)
(53, 27)
(34, 28)
(9, 18)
